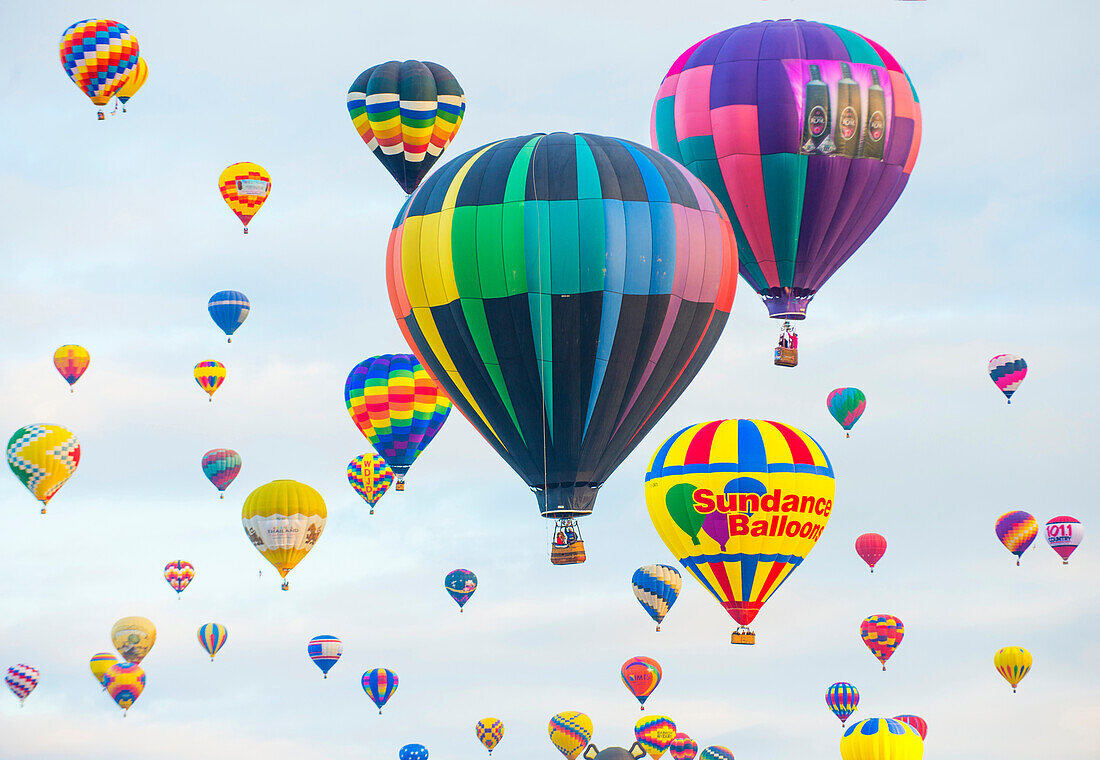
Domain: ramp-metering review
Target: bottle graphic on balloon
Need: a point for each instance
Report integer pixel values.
(874, 137)
(816, 127)
(848, 107)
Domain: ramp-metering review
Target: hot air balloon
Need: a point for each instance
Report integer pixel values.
(370, 476)
(134, 81)
(918, 723)
(179, 574)
(655, 734)
(461, 585)
(245, 186)
(413, 752)
(657, 587)
(21, 679)
(565, 329)
(489, 732)
(1064, 534)
(98, 55)
(380, 684)
(771, 116)
(683, 747)
(71, 362)
(407, 114)
(614, 753)
(716, 752)
(570, 732)
(881, 739)
(124, 682)
(847, 406)
(843, 699)
(1017, 530)
(325, 652)
(882, 634)
(133, 637)
(228, 309)
(641, 676)
(740, 503)
(100, 663)
(1007, 371)
(870, 547)
(1012, 663)
(210, 375)
(283, 520)
(43, 457)
(397, 406)
(212, 637)
(220, 466)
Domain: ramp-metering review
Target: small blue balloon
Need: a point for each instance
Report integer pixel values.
(413, 752)
(228, 309)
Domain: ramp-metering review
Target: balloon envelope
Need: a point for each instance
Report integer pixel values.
(1013, 663)
(716, 752)
(843, 699)
(134, 81)
(570, 732)
(71, 362)
(133, 637)
(870, 547)
(1017, 530)
(283, 520)
(564, 290)
(407, 114)
(489, 732)
(380, 684)
(228, 309)
(99, 664)
(124, 682)
(179, 574)
(370, 477)
(221, 466)
(1007, 371)
(1065, 534)
(461, 585)
(43, 457)
(244, 187)
(641, 676)
(212, 637)
(413, 752)
(98, 54)
(881, 739)
(806, 133)
(657, 588)
(918, 723)
(21, 680)
(846, 405)
(683, 747)
(325, 652)
(210, 375)
(882, 634)
(655, 734)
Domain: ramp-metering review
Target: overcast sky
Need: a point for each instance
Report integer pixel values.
(114, 237)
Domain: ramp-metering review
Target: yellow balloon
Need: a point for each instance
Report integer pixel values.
(284, 519)
(100, 663)
(1012, 663)
(881, 739)
(43, 457)
(133, 82)
(570, 732)
(740, 503)
(133, 637)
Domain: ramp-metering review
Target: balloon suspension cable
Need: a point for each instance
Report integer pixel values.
(542, 327)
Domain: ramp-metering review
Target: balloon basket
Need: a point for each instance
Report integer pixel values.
(246, 230)
(786, 357)
(400, 485)
(742, 635)
(286, 585)
(573, 554)
(100, 117)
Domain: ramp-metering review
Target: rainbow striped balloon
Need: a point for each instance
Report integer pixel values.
(1017, 530)
(212, 636)
(1007, 371)
(380, 684)
(370, 476)
(843, 699)
(397, 406)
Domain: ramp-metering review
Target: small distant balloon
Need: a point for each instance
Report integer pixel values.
(461, 585)
(847, 406)
(870, 547)
(1017, 530)
(641, 676)
(380, 684)
(325, 652)
(71, 362)
(882, 634)
(683, 747)
(210, 375)
(220, 466)
(716, 752)
(244, 187)
(657, 587)
(489, 732)
(228, 309)
(124, 682)
(212, 637)
(1065, 534)
(370, 477)
(21, 679)
(1007, 371)
(43, 457)
(570, 732)
(918, 723)
(1013, 663)
(843, 699)
(179, 574)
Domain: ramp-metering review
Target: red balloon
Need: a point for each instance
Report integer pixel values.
(641, 675)
(918, 723)
(870, 547)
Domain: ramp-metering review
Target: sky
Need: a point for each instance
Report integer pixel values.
(115, 237)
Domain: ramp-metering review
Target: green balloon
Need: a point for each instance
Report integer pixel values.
(680, 503)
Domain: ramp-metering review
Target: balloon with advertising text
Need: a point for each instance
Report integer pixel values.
(655, 733)
(370, 477)
(881, 739)
(843, 699)
(870, 547)
(244, 187)
(740, 503)
(1017, 530)
(284, 519)
(134, 638)
(657, 588)
(641, 676)
(570, 732)
(1065, 534)
(882, 634)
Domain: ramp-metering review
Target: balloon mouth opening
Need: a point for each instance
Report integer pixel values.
(787, 303)
(566, 501)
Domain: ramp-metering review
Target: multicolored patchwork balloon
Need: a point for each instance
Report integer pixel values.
(124, 681)
(413, 752)
(210, 375)
(655, 734)
(570, 732)
(847, 406)
(683, 747)
(918, 723)
(881, 739)
(100, 663)
(641, 676)
(134, 81)
(1007, 371)
(407, 114)
(71, 362)
(461, 585)
(244, 187)
(657, 588)
(325, 652)
(1013, 663)
(134, 638)
(228, 309)
(716, 752)
(21, 679)
(43, 457)
(1065, 534)
(380, 684)
(179, 574)
(806, 132)
(220, 466)
(741, 504)
(843, 699)
(397, 406)
(212, 637)
(489, 732)
(284, 520)
(98, 54)
(564, 290)
(1017, 530)
(370, 476)
(882, 634)
(870, 547)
